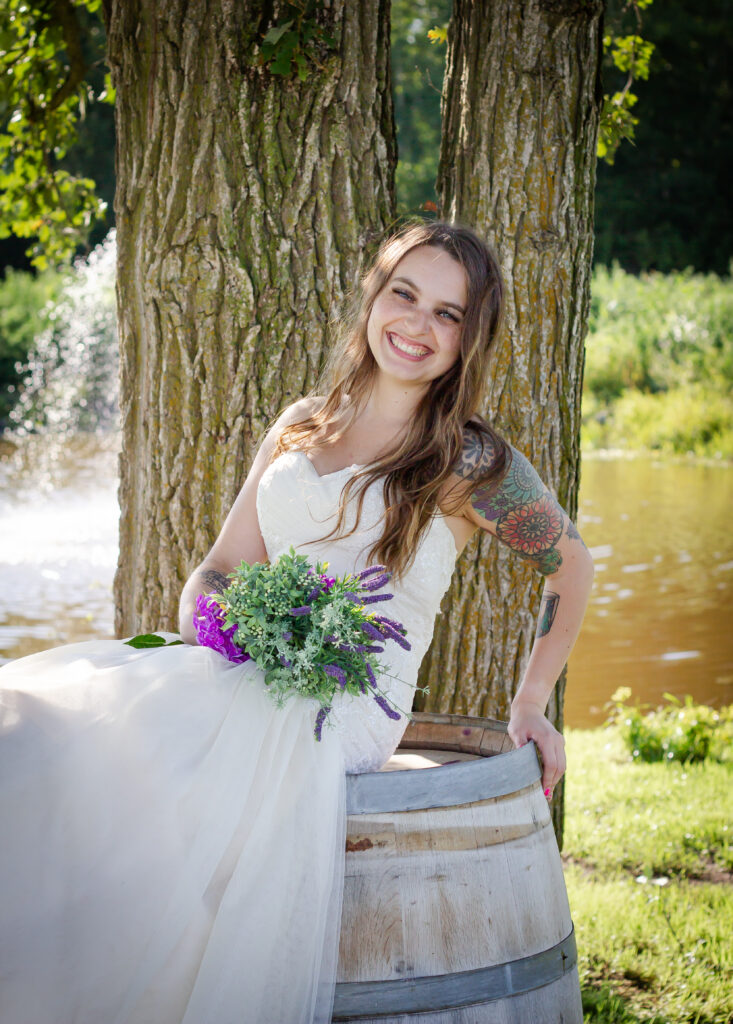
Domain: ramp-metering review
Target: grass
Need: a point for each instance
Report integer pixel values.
(648, 866)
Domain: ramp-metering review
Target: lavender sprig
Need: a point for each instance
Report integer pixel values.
(389, 711)
(320, 719)
(370, 570)
(337, 673)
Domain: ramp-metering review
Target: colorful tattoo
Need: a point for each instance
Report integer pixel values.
(548, 607)
(528, 519)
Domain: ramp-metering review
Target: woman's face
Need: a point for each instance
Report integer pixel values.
(414, 329)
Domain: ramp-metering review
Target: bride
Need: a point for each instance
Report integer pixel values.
(173, 843)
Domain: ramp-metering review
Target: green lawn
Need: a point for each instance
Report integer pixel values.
(648, 863)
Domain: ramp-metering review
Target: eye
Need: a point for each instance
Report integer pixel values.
(399, 291)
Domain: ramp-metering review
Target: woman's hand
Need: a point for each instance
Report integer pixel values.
(527, 722)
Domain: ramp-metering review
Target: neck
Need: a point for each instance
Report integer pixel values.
(392, 404)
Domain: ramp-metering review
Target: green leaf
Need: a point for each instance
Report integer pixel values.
(145, 640)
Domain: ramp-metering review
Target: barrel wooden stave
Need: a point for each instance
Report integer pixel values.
(432, 886)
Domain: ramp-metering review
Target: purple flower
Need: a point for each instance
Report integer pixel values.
(373, 598)
(336, 673)
(370, 674)
(371, 630)
(284, 661)
(351, 596)
(287, 636)
(320, 719)
(208, 621)
(370, 571)
(394, 634)
(313, 594)
(389, 712)
(389, 622)
(304, 609)
(327, 582)
(376, 582)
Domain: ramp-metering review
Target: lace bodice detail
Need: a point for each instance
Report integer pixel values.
(296, 505)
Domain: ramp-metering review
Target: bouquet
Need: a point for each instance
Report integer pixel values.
(311, 634)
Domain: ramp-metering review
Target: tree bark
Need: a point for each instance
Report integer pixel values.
(246, 205)
(521, 106)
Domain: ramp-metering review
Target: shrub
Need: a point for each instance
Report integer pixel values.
(678, 731)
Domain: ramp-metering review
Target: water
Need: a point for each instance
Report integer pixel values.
(661, 612)
(660, 616)
(58, 544)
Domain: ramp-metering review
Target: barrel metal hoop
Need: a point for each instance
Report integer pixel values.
(443, 786)
(355, 1000)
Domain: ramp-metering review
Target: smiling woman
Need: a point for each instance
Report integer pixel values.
(166, 788)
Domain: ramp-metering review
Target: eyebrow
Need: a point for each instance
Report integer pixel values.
(412, 285)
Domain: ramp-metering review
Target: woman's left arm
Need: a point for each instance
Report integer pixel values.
(522, 513)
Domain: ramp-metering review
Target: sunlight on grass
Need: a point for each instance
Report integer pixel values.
(654, 944)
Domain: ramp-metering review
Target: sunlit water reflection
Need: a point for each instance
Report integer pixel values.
(58, 544)
(660, 617)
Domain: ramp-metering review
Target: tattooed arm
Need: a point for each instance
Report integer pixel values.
(240, 538)
(521, 512)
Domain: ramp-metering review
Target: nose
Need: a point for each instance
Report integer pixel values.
(418, 321)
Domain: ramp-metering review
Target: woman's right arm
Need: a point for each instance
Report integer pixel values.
(240, 538)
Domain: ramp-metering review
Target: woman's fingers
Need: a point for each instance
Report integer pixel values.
(550, 743)
(553, 762)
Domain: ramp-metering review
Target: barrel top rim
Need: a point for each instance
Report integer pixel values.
(448, 718)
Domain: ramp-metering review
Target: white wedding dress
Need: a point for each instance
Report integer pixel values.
(172, 843)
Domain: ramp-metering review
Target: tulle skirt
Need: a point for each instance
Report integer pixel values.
(171, 845)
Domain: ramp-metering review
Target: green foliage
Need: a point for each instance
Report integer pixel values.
(662, 204)
(630, 54)
(684, 732)
(43, 92)
(659, 362)
(288, 47)
(419, 29)
(26, 310)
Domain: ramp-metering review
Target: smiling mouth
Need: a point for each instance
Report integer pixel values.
(415, 352)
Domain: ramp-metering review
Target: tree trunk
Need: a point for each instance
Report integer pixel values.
(521, 105)
(246, 205)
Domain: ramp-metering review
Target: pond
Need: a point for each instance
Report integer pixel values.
(660, 617)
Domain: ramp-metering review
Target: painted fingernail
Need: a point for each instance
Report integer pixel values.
(547, 791)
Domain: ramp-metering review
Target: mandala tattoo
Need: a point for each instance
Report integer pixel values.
(218, 581)
(548, 607)
(526, 516)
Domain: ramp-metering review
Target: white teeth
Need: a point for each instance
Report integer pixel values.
(410, 350)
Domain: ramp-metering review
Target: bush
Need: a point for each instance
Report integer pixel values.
(678, 731)
(659, 362)
(27, 302)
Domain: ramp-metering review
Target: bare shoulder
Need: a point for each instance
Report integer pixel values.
(299, 410)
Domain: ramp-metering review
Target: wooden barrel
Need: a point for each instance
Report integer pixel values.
(455, 907)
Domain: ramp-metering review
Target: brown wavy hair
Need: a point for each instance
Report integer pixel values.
(418, 467)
